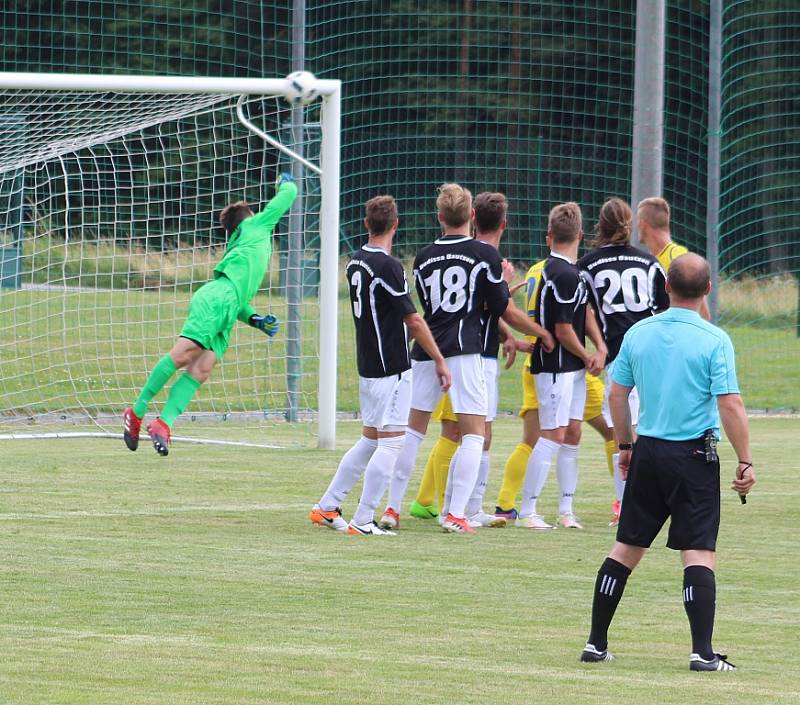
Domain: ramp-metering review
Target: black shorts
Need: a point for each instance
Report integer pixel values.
(671, 478)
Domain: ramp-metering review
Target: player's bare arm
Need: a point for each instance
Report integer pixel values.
(734, 421)
(522, 322)
(621, 416)
(419, 331)
(596, 336)
(509, 344)
(565, 334)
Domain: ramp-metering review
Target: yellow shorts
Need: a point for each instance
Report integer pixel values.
(594, 395)
(530, 402)
(444, 410)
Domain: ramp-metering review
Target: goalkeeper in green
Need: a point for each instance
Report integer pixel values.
(213, 310)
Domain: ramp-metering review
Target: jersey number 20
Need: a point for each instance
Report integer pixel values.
(633, 284)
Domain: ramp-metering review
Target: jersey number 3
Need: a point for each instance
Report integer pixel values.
(633, 284)
(355, 281)
(453, 298)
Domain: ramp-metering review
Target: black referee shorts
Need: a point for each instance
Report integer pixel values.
(671, 479)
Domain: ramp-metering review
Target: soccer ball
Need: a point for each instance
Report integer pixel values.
(301, 90)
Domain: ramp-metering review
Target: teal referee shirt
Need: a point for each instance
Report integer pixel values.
(679, 363)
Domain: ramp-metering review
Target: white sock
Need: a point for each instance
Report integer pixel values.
(448, 488)
(377, 476)
(535, 476)
(401, 473)
(475, 503)
(464, 473)
(350, 469)
(619, 483)
(567, 472)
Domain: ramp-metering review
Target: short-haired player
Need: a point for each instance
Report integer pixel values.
(653, 219)
(213, 310)
(560, 374)
(382, 313)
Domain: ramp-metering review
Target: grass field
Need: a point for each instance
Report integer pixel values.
(129, 578)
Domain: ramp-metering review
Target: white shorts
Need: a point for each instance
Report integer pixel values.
(385, 401)
(633, 400)
(491, 371)
(562, 396)
(467, 394)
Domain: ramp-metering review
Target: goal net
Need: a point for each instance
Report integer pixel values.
(110, 193)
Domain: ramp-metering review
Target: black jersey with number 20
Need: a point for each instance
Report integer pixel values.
(626, 285)
(380, 300)
(459, 280)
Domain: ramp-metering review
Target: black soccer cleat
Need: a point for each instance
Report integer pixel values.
(718, 663)
(131, 427)
(160, 435)
(591, 655)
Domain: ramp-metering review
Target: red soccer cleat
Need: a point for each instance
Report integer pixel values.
(390, 519)
(160, 435)
(454, 525)
(131, 427)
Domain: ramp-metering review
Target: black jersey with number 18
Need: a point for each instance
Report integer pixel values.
(626, 285)
(459, 280)
(380, 300)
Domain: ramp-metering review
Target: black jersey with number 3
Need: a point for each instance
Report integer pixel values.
(459, 280)
(626, 285)
(561, 298)
(380, 300)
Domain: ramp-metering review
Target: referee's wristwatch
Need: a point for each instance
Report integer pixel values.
(625, 446)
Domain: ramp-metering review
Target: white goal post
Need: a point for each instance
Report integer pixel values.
(16, 156)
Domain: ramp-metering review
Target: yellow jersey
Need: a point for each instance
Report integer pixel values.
(669, 253)
(533, 279)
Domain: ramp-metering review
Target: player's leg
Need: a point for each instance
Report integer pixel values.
(390, 439)
(517, 463)
(328, 512)
(425, 395)
(183, 352)
(554, 392)
(434, 477)
(475, 513)
(567, 460)
(470, 403)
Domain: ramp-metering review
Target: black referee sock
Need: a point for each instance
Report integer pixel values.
(611, 579)
(699, 601)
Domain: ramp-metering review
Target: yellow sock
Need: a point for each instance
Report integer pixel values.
(427, 486)
(514, 476)
(445, 450)
(611, 448)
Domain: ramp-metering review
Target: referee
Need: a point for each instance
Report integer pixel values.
(683, 368)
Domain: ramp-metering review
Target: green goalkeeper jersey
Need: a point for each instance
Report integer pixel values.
(249, 249)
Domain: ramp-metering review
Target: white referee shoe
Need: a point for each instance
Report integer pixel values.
(481, 520)
(534, 521)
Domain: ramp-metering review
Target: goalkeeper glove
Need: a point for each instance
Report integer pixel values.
(284, 178)
(269, 324)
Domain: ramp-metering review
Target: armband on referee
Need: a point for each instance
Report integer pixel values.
(625, 446)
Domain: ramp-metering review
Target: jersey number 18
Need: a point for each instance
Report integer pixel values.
(454, 296)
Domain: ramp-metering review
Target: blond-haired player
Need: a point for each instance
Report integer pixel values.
(653, 217)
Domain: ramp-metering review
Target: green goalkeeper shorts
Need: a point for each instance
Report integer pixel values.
(212, 312)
